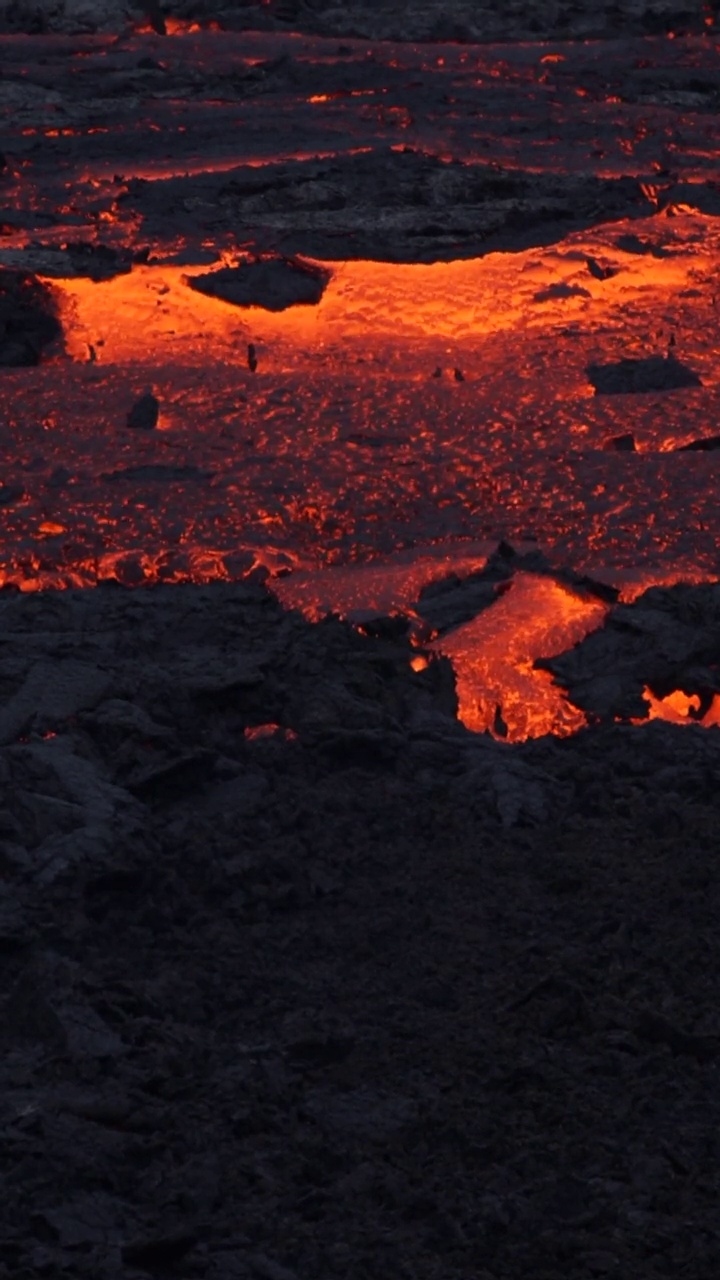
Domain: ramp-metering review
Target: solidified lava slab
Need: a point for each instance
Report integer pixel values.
(28, 319)
(271, 283)
(395, 206)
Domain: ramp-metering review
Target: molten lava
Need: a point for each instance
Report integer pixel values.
(679, 708)
(422, 408)
(499, 691)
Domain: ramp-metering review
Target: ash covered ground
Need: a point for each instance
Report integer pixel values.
(301, 978)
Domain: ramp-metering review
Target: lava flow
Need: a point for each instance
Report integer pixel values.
(385, 324)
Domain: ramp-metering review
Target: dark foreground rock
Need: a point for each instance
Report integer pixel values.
(300, 979)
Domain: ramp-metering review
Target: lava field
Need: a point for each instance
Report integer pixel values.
(360, 619)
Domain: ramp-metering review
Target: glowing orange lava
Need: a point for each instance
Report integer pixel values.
(678, 708)
(150, 316)
(499, 691)
(391, 435)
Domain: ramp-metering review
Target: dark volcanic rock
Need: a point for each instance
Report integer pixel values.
(97, 261)
(621, 444)
(274, 283)
(389, 205)
(155, 472)
(655, 373)
(28, 322)
(145, 412)
(450, 20)
(223, 945)
(10, 494)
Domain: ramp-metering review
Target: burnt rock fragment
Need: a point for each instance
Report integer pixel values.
(598, 271)
(654, 373)
(144, 414)
(634, 244)
(274, 283)
(28, 322)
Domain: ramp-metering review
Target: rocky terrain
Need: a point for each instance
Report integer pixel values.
(299, 978)
(432, 20)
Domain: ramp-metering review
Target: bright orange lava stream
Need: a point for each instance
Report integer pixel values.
(498, 688)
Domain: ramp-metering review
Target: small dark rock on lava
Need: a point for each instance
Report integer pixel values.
(144, 414)
(274, 283)
(706, 444)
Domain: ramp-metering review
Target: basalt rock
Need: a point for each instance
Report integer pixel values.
(28, 321)
(273, 283)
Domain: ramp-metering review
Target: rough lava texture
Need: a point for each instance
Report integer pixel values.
(448, 20)
(360, 994)
(299, 979)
